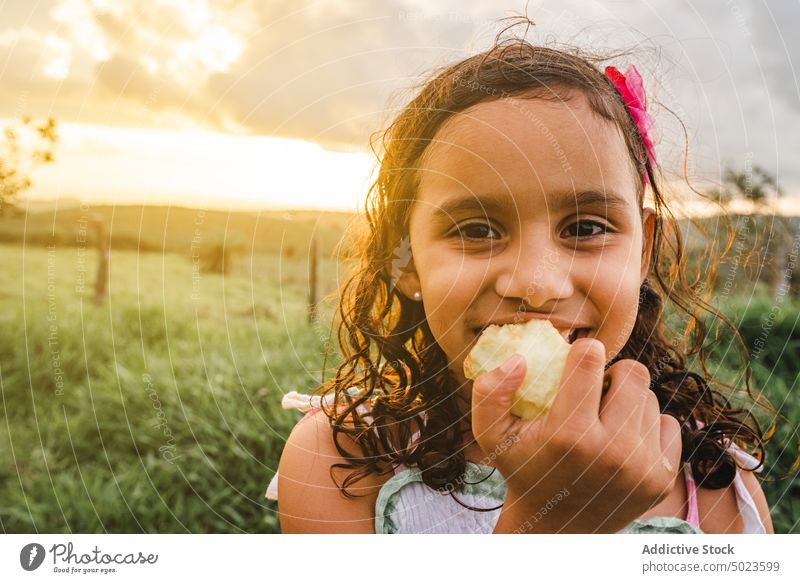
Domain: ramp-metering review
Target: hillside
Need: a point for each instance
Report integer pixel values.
(177, 229)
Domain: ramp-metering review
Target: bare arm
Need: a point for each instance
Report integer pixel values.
(752, 485)
(719, 508)
(308, 499)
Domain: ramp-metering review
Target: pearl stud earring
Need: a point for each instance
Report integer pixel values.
(418, 296)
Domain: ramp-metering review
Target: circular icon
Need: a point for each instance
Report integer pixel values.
(31, 556)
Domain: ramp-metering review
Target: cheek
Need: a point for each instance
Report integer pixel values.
(616, 294)
(619, 303)
(449, 289)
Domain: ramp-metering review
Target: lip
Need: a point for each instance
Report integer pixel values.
(564, 327)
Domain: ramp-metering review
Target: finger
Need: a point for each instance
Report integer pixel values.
(649, 421)
(650, 430)
(492, 397)
(626, 399)
(671, 444)
(578, 397)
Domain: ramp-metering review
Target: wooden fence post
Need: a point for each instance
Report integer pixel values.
(312, 280)
(101, 283)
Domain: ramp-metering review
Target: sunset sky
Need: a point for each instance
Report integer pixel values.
(270, 104)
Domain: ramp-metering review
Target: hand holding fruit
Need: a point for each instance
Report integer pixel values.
(616, 455)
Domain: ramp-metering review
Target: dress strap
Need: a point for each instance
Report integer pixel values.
(751, 518)
(310, 404)
(306, 403)
(747, 461)
(692, 514)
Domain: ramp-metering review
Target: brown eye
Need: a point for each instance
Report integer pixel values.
(477, 231)
(584, 229)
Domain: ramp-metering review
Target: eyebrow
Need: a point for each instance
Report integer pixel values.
(558, 201)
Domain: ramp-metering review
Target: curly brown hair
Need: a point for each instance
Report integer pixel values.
(390, 353)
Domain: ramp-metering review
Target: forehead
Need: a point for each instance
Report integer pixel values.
(527, 148)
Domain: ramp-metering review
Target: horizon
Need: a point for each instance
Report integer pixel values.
(787, 207)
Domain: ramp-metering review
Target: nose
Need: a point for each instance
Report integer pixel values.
(538, 273)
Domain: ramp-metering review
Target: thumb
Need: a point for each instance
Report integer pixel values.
(492, 397)
(578, 397)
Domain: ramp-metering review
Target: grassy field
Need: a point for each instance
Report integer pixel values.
(160, 411)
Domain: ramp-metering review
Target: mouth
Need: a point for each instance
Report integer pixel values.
(570, 335)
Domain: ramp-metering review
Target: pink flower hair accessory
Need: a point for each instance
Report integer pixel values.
(631, 89)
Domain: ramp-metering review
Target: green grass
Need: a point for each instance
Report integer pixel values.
(164, 415)
(770, 328)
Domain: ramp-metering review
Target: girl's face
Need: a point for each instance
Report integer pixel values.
(527, 208)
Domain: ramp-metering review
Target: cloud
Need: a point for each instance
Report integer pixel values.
(334, 72)
(303, 69)
(774, 28)
(327, 71)
(34, 55)
(132, 59)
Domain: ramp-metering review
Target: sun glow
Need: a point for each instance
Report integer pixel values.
(191, 168)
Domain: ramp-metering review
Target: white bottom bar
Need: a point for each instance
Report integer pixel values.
(402, 558)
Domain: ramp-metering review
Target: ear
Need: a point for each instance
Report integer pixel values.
(408, 282)
(405, 277)
(648, 230)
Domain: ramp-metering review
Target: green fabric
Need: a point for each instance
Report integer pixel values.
(475, 483)
(660, 525)
(494, 488)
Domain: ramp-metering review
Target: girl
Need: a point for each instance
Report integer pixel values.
(516, 179)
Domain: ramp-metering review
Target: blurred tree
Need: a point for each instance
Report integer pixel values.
(772, 237)
(777, 234)
(722, 196)
(24, 147)
(219, 254)
(754, 184)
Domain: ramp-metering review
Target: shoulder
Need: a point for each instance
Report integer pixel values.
(757, 494)
(719, 509)
(309, 499)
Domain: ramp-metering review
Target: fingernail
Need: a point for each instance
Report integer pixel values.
(588, 341)
(592, 344)
(511, 364)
